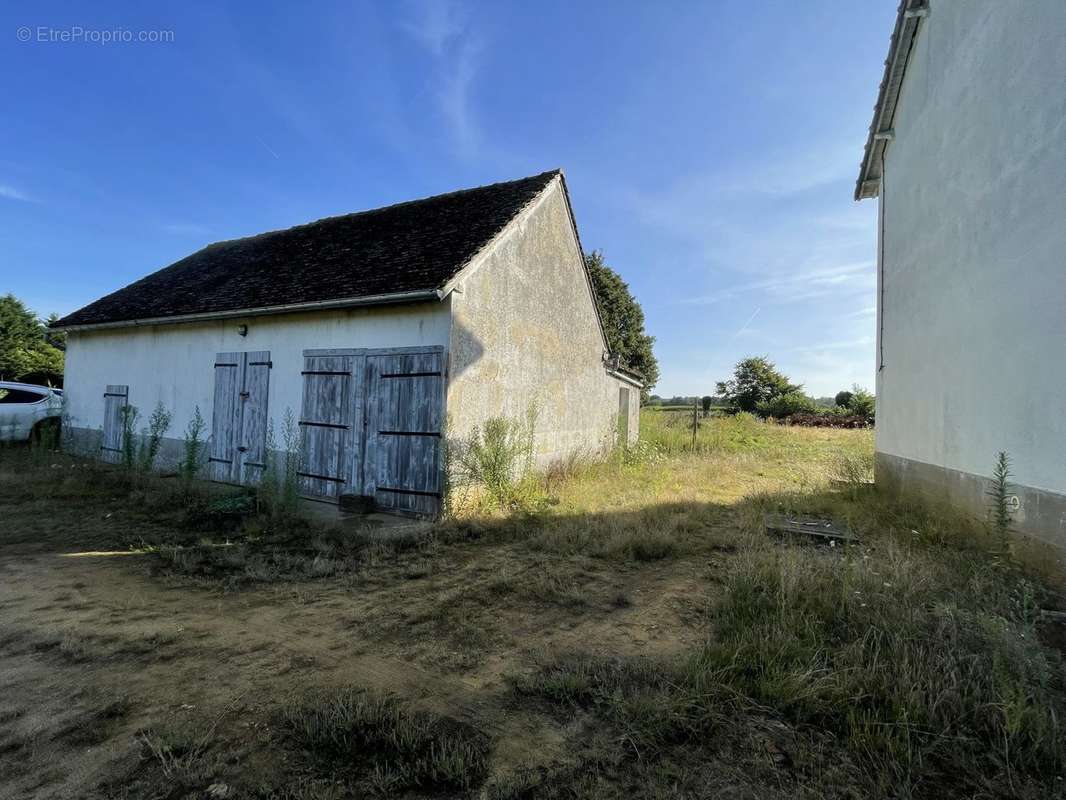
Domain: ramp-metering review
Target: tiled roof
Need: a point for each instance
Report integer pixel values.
(411, 247)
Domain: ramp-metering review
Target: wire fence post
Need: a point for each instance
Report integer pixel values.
(695, 421)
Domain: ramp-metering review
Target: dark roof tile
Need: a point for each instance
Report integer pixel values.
(409, 247)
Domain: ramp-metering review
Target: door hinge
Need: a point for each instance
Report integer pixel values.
(245, 395)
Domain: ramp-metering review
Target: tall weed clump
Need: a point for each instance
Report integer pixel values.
(193, 447)
(139, 452)
(129, 415)
(152, 437)
(279, 489)
(498, 456)
(999, 493)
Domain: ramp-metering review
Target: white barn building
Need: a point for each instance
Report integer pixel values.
(967, 157)
(373, 329)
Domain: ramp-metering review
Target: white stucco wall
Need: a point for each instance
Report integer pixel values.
(525, 330)
(974, 242)
(174, 364)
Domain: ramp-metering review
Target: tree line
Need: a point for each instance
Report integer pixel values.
(758, 387)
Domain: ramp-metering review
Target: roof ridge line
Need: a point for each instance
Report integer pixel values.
(391, 206)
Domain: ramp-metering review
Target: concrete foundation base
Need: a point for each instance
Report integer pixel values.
(1040, 513)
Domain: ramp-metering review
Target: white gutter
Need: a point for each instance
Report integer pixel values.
(623, 377)
(319, 305)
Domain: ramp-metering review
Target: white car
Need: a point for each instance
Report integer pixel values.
(28, 411)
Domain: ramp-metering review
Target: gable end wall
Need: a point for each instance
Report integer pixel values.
(524, 329)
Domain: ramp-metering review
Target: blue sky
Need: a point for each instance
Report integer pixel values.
(711, 148)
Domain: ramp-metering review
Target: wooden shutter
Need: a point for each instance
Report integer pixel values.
(326, 434)
(252, 447)
(623, 416)
(116, 398)
(225, 418)
(405, 394)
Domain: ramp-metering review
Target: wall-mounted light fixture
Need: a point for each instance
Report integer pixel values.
(242, 330)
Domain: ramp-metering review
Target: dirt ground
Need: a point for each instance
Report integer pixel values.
(146, 653)
(95, 650)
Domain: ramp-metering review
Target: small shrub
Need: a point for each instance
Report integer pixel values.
(785, 405)
(193, 447)
(152, 438)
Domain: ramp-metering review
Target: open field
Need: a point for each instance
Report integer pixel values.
(632, 631)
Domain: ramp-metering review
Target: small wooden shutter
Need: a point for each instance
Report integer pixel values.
(225, 418)
(116, 398)
(254, 416)
(326, 425)
(623, 416)
(405, 394)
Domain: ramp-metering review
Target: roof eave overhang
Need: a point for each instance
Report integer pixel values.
(908, 19)
(622, 376)
(396, 298)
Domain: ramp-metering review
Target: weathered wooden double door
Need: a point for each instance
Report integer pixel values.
(370, 425)
(238, 452)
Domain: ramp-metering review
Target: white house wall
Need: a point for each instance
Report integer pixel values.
(973, 305)
(174, 364)
(525, 331)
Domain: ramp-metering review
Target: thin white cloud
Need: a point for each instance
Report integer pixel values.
(793, 172)
(443, 28)
(454, 97)
(434, 24)
(11, 193)
(783, 221)
(798, 286)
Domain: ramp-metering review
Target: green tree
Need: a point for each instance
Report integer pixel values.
(755, 380)
(862, 402)
(26, 351)
(623, 322)
(843, 399)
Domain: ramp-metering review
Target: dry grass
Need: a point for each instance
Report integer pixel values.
(374, 744)
(625, 628)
